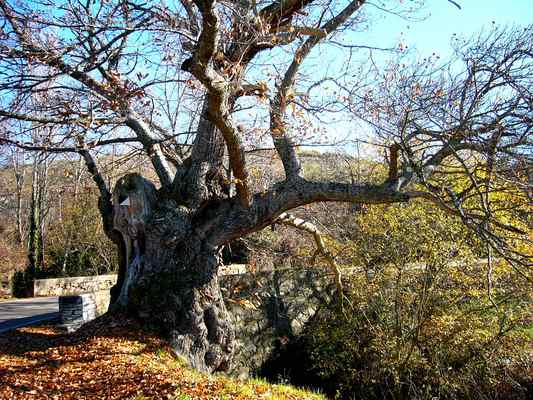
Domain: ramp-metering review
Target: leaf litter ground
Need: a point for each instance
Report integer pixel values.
(113, 358)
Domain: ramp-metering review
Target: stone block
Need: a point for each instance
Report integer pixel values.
(74, 285)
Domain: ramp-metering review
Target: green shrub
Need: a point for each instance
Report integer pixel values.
(424, 318)
(419, 335)
(22, 284)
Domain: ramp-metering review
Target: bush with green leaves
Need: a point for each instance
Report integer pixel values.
(425, 318)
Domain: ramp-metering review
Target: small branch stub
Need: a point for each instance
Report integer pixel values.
(393, 162)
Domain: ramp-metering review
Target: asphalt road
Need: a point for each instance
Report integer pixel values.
(24, 312)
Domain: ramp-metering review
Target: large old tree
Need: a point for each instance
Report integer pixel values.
(189, 83)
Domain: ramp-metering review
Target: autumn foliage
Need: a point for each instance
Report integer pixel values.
(112, 358)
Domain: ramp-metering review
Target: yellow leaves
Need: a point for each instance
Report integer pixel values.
(298, 57)
(263, 87)
(277, 131)
(245, 303)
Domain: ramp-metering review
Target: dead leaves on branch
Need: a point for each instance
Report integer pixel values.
(111, 358)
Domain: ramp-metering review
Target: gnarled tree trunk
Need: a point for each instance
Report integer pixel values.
(170, 278)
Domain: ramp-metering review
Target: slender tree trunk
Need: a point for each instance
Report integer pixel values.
(34, 230)
(20, 232)
(19, 186)
(43, 204)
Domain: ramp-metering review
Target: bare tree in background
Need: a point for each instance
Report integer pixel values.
(135, 73)
(17, 163)
(37, 213)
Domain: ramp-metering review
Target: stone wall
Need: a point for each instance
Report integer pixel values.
(76, 310)
(71, 286)
(89, 284)
(269, 307)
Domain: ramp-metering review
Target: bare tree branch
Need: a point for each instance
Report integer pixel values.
(281, 138)
(291, 220)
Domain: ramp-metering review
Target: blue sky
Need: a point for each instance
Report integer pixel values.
(444, 19)
(440, 21)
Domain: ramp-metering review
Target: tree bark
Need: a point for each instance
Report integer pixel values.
(170, 280)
